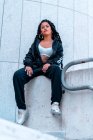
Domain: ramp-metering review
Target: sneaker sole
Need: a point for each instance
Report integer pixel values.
(55, 113)
(26, 117)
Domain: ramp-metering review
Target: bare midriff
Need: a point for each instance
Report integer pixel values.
(44, 58)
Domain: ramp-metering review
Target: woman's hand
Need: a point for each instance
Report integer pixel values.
(45, 67)
(29, 70)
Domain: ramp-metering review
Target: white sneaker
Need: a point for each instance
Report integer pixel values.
(55, 110)
(21, 116)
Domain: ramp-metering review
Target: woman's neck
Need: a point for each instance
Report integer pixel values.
(47, 38)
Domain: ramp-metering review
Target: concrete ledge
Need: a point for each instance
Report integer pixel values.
(12, 131)
(38, 99)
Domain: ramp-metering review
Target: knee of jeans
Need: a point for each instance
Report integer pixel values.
(16, 75)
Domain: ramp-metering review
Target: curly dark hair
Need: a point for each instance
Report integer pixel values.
(55, 34)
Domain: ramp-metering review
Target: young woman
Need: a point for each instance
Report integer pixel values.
(44, 58)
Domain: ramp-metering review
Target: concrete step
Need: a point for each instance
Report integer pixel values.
(58, 134)
(12, 131)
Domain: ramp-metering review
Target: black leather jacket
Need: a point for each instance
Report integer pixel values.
(33, 58)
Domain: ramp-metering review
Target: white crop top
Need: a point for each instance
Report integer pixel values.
(45, 51)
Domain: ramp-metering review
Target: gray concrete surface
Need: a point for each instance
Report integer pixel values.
(77, 106)
(77, 115)
(12, 131)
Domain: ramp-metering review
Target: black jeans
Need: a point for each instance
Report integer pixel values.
(20, 78)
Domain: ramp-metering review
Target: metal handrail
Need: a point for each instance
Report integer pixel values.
(64, 74)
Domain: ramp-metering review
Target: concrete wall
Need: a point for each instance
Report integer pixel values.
(77, 106)
(18, 25)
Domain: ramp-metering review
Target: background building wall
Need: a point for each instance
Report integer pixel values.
(19, 20)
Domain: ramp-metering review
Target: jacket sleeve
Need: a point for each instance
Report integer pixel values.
(29, 58)
(58, 57)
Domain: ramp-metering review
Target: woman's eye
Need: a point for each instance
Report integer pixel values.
(42, 27)
(47, 26)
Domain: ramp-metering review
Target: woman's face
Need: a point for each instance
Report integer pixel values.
(46, 29)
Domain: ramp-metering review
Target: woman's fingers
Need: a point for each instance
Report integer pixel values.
(44, 69)
(29, 71)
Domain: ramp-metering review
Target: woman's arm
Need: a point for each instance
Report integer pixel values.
(28, 60)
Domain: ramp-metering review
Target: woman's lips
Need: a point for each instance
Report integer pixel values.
(45, 30)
